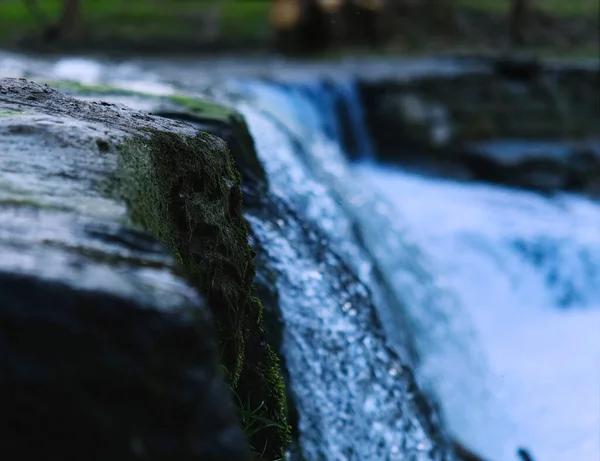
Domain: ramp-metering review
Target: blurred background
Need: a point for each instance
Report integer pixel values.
(298, 26)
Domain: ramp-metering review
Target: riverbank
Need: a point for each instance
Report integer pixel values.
(205, 28)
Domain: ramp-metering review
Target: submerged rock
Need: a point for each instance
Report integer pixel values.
(528, 126)
(107, 353)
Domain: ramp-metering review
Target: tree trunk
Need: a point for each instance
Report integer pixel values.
(317, 25)
(517, 21)
(302, 26)
(69, 20)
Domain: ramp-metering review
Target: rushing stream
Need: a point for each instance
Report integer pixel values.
(526, 268)
(491, 295)
(500, 287)
(354, 402)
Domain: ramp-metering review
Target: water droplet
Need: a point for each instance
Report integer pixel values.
(346, 307)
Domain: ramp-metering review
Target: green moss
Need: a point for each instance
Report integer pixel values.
(84, 89)
(25, 202)
(203, 108)
(187, 192)
(230, 125)
(200, 108)
(10, 113)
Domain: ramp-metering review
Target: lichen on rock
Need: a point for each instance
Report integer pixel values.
(183, 187)
(107, 352)
(207, 116)
(187, 192)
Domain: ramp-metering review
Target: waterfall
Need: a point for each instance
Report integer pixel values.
(355, 396)
(527, 267)
(481, 276)
(391, 284)
(423, 322)
(331, 109)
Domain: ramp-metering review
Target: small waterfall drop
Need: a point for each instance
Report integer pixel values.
(307, 168)
(472, 296)
(331, 109)
(356, 397)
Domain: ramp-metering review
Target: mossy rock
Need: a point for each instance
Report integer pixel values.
(107, 351)
(217, 119)
(182, 185)
(192, 200)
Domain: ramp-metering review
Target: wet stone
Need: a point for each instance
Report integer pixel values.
(106, 353)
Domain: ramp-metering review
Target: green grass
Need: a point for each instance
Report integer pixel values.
(189, 24)
(253, 422)
(141, 19)
(238, 19)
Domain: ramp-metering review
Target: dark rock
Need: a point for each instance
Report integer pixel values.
(465, 454)
(206, 116)
(191, 198)
(524, 454)
(518, 69)
(88, 373)
(222, 122)
(105, 351)
(543, 166)
(517, 121)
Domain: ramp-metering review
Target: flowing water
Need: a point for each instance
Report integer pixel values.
(527, 268)
(500, 287)
(353, 393)
(426, 319)
(491, 295)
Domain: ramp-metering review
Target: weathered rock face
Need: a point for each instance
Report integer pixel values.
(547, 119)
(200, 220)
(106, 352)
(209, 117)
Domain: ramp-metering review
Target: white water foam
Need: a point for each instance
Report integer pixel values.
(527, 268)
(428, 316)
(354, 399)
